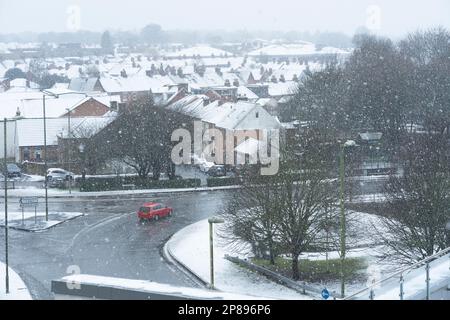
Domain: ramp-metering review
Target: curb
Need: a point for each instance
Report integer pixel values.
(171, 259)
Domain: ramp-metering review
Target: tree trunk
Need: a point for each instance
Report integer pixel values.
(156, 172)
(271, 253)
(295, 270)
(171, 171)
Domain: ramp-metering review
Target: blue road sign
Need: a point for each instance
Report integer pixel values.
(325, 294)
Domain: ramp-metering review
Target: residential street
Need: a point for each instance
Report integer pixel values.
(108, 241)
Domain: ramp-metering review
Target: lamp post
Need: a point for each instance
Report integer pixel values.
(69, 147)
(447, 227)
(81, 148)
(349, 143)
(44, 94)
(211, 222)
(5, 177)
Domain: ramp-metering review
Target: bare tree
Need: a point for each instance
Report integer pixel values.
(418, 202)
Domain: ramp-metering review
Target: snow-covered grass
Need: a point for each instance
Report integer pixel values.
(191, 247)
(30, 224)
(17, 288)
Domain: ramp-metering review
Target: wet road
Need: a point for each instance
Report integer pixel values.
(107, 241)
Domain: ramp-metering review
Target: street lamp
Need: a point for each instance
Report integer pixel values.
(447, 227)
(211, 222)
(5, 178)
(69, 146)
(44, 94)
(347, 144)
(81, 148)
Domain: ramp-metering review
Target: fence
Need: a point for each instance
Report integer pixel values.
(420, 281)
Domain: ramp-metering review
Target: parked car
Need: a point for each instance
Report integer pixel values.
(13, 170)
(217, 171)
(153, 210)
(57, 177)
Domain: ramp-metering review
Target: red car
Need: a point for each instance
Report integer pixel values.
(153, 210)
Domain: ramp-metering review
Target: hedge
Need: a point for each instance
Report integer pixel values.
(221, 182)
(117, 183)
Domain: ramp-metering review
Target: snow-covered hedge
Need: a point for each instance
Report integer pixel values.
(220, 182)
(120, 183)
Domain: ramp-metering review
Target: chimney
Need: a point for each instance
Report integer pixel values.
(114, 106)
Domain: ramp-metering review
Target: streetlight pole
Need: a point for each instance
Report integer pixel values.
(349, 143)
(45, 156)
(68, 152)
(211, 222)
(5, 173)
(44, 94)
(342, 216)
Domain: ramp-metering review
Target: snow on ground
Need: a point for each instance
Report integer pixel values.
(38, 192)
(149, 286)
(33, 178)
(191, 247)
(17, 288)
(36, 223)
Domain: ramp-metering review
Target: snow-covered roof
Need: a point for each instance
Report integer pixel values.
(30, 104)
(157, 84)
(282, 88)
(298, 49)
(30, 132)
(241, 115)
(245, 92)
(371, 136)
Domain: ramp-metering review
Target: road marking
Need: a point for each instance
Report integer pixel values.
(94, 226)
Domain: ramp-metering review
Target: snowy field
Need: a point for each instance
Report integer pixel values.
(17, 288)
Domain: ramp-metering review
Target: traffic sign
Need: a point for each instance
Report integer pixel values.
(28, 201)
(325, 294)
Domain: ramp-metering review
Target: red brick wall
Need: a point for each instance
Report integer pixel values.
(90, 108)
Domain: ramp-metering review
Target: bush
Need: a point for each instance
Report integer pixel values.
(220, 182)
(317, 270)
(116, 183)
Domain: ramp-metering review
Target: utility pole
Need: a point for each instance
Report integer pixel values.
(68, 152)
(5, 173)
(343, 146)
(45, 158)
(211, 222)
(342, 216)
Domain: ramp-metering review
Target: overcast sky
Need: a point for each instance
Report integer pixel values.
(388, 17)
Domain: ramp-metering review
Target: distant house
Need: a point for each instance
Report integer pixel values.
(235, 118)
(30, 105)
(85, 85)
(29, 136)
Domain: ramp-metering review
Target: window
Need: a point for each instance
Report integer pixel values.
(257, 115)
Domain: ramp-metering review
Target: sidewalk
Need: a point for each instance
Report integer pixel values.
(57, 193)
(190, 246)
(17, 288)
(32, 223)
